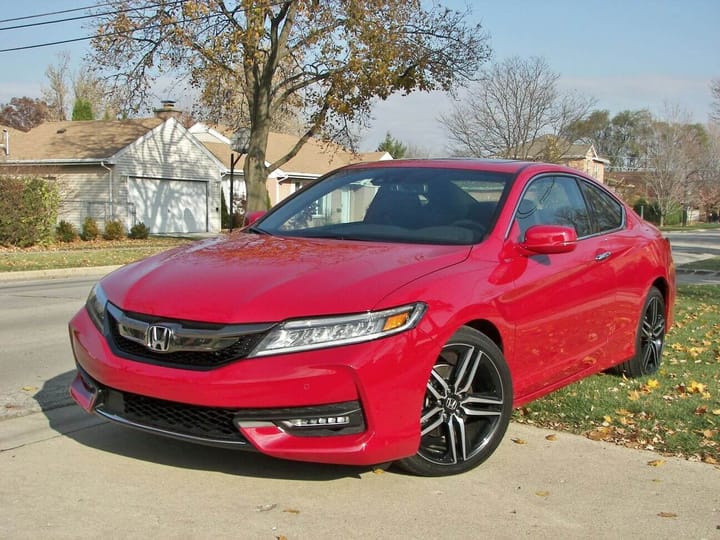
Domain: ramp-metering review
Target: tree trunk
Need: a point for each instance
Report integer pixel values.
(255, 168)
(256, 174)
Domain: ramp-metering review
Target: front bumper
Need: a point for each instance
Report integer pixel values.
(356, 405)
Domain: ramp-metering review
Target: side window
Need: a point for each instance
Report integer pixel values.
(554, 200)
(605, 211)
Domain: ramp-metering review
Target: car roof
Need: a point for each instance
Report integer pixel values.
(491, 165)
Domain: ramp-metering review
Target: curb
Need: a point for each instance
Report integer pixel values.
(58, 273)
(697, 272)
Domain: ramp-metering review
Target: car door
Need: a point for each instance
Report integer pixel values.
(561, 303)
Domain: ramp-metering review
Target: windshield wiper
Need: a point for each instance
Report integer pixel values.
(257, 230)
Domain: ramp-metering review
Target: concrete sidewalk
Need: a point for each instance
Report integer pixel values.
(65, 475)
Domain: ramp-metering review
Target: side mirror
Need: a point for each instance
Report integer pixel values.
(252, 217)
(547, 239)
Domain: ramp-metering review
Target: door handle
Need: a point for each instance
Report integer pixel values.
(602, 256)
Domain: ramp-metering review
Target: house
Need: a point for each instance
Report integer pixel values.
(153, 170)
(314, 159)
(579, 155)
(149, 170)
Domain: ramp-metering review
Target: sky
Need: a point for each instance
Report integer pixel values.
(627, 54)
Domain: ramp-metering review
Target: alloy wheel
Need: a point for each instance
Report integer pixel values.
(464, 405)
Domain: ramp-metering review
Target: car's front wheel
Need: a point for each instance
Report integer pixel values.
(467, 406)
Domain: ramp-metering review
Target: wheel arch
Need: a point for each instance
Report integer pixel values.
(663, 286)
(489, 329)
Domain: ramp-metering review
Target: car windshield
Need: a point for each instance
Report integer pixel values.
(393, 204)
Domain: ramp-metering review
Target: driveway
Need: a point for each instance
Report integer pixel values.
(65, 475)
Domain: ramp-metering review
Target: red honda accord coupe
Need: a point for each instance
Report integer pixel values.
(391, 311)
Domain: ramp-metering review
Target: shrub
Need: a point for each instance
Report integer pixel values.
(90, 229)
(28, 211)
(139, 231)
(66, 232)
(114, 230)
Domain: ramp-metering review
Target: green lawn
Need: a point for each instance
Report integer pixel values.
(712, 264)
(83, 254)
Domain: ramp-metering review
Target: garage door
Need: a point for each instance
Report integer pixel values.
(169, 206)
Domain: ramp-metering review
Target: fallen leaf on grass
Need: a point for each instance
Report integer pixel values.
(656, 462)
(519, 441)
(667, 514)
(599, 434)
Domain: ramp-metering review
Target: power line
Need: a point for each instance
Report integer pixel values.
(80, 17)
(110, 34)
(48, 44)
(26, 17)
(56, 21)
(86, 38)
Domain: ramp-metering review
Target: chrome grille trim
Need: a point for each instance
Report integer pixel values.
(184, 337)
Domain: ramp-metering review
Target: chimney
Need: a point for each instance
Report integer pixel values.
(168, 110)
(6, 142)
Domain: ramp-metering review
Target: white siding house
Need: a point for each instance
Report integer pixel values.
(147, 170)
(169, 180)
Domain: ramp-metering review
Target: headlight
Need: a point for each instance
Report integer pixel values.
(95, 305)
(303, 335)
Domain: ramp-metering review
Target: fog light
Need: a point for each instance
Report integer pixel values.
(314, 422)
(333, 419)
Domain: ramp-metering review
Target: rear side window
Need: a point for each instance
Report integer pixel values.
(606, 213)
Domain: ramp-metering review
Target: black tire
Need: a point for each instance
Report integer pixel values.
(650, 338)
(467, 407)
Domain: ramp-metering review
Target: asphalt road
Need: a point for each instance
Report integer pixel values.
(35, 356)
(693, 245)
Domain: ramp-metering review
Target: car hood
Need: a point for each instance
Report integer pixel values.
(253, 278)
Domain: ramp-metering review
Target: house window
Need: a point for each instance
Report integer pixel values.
(320, 207)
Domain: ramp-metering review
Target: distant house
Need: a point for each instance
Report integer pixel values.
(148, 170)
(579, 155)
(314, 159)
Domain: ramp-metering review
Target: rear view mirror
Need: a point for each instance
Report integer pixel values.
(546, 239)
(254, 216)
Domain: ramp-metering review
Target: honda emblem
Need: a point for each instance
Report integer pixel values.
(158, 338)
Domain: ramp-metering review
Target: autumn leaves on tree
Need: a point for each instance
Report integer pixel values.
(326, 60)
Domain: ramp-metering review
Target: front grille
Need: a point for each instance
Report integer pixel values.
(210, 424)
(182, 359)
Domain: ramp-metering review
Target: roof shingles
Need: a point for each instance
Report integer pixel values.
(80, 140)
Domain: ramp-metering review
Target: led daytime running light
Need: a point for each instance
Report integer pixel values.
(306, 334)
